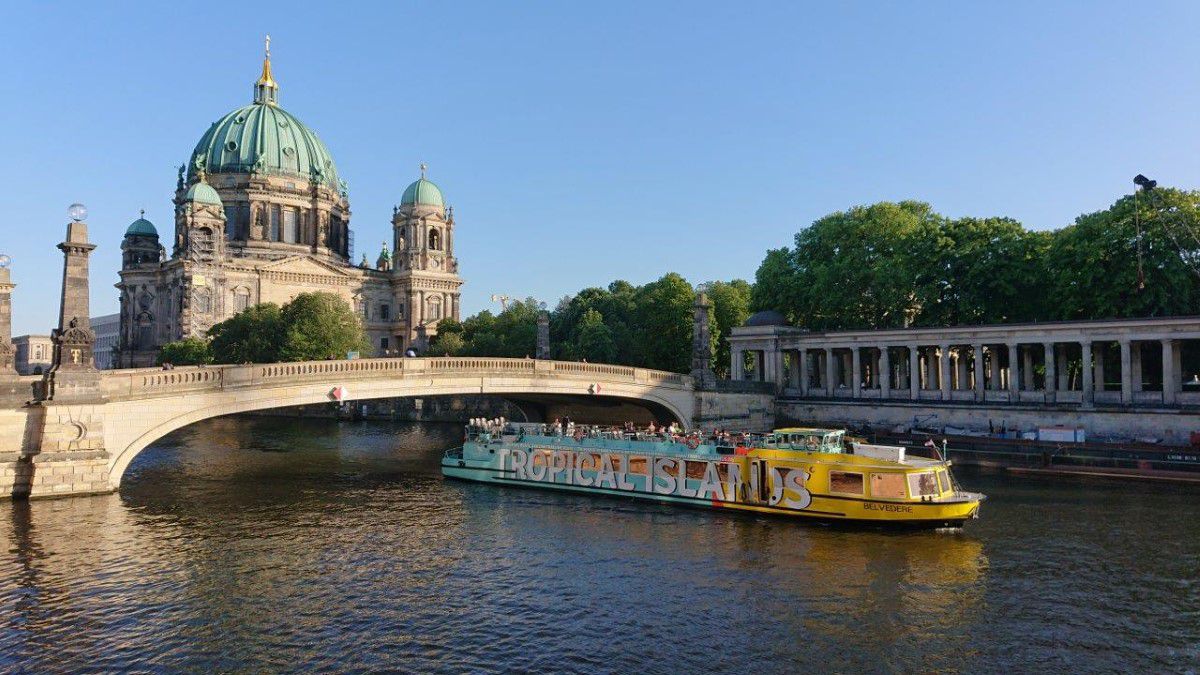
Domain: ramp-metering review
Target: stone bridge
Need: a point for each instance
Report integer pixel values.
(84, 447)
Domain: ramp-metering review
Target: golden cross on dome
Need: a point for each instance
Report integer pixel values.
(142, 213)
(268, 45)
(423, 167)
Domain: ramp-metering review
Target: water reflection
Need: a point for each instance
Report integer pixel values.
(269, 544)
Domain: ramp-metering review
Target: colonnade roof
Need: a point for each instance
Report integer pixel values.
(1156, 328)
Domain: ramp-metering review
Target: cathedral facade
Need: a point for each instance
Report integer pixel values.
(261, 216)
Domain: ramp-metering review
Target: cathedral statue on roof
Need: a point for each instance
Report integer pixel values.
(261, 216)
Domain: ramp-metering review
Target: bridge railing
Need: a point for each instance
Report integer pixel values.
(150, 382)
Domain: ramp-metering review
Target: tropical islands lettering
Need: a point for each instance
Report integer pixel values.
(719, 481)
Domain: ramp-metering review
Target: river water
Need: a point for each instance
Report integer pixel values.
(263, 545)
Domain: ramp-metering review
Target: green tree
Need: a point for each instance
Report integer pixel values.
(730, 309)
(663, 329)
(979, 270)
(775, 284)
(449, 340)
(186, 352)
(250, 336)
(319, 326)
(595, 339)
(851, 269)
(1093, 264)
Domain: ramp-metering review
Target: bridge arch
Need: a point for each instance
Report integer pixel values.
(146, 404)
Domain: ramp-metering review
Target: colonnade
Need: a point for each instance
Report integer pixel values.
(1109, 363)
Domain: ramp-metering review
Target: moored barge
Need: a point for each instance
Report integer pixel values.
(797, 472)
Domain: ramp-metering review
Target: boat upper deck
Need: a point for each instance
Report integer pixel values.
(810, 445)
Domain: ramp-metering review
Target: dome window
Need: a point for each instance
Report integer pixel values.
(240, 119)
(231, 146)
(283, 123)
(289, 151)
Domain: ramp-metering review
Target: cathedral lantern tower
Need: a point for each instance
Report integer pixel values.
(424, 264)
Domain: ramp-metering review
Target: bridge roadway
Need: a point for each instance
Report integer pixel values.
(74, 448)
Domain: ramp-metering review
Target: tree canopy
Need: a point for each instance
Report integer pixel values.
(313, 326)
(890, 265)
(186, 352)
(648, 326)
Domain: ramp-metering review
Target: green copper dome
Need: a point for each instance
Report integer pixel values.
(422, 192)
(141, 227)
(264, 138)
(202, 192)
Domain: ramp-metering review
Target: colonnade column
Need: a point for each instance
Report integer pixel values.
(802, 366)
(977, 351)
(1088, 389)
(1027, 368)
(885, 373)
(1170, 375)
(994, 368)
(737, 364)
(944, 370)
(856, 371)
(830, 370)
(914, 376)
(1014, 370)
(960, 364)
(1126, 372)
(1048, 348)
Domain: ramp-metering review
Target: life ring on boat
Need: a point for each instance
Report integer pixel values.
(692, 442)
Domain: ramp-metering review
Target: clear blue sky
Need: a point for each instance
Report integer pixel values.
(584, 142)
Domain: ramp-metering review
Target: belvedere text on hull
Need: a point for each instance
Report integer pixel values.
(804, 473)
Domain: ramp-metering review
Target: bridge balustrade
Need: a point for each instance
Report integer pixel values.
(147, 382)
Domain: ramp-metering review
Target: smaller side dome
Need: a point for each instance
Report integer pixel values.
(767, 317)
(203, 193)
(423, 192)
(141, 228)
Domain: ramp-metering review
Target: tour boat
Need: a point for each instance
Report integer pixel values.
(799, 472)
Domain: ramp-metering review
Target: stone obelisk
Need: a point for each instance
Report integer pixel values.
(702, 352)
(542, 350)
(8, 370)
(73, 376)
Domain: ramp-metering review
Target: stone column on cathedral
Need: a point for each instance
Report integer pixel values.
(73, 376)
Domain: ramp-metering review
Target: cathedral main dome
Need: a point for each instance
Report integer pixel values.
(264, 138)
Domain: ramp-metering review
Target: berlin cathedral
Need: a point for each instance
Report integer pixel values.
(261, 216)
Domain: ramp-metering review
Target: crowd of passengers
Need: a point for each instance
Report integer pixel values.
(564, 427)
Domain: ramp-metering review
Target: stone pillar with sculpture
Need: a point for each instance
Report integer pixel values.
(70, 457)
(72, 375)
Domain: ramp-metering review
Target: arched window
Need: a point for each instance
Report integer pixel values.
(435, 239)
(433, 309)
(241, 299)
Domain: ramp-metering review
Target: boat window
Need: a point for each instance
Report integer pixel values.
(724, 449)
(723, 471)
(695, 470)
(846, 482)
(922, 484)
(540, 458)
(888, 485)
(637, 465)
(616, 461)
(944, 480)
